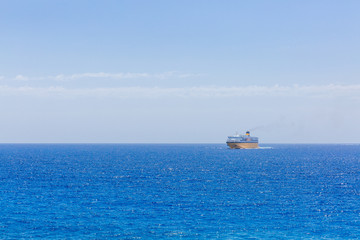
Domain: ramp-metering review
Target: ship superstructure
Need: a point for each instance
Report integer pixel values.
(242, 141)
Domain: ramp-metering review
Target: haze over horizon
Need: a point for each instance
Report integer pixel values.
(179, 71)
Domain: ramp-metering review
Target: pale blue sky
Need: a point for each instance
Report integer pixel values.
(179, 71)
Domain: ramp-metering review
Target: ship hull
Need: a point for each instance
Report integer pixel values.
(233, 145)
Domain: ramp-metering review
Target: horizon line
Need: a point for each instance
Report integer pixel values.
(172, 143)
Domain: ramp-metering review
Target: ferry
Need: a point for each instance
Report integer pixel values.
(238, 141)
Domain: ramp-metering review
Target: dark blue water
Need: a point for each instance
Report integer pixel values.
(134, 191)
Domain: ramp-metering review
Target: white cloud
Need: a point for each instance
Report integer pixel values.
(164, 75)
(21, 78)
(319, 91)
(102, 75)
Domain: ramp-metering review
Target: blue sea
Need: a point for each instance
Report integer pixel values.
(179, 191)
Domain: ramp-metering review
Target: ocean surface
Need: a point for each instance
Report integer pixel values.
(179, 191)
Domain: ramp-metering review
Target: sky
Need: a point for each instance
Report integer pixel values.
(138, 71)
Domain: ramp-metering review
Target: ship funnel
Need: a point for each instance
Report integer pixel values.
(247, 133)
